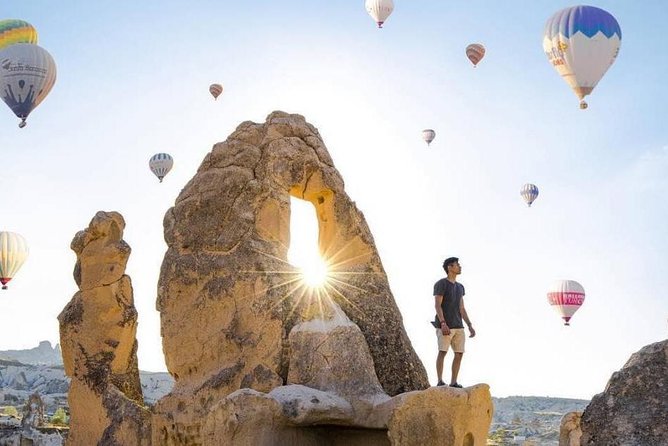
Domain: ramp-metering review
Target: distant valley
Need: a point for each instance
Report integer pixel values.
(527, 420)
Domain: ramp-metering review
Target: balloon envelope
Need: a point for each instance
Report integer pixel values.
(13, 252)
(161, 164)
(14, 31)
(428, 135)
(27, 74)
(379, 10)
(566, 296)
(215, 90)
(581, 43)
(475, 52)
(529, 192)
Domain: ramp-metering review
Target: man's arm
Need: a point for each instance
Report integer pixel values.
(465, 316)
(439, 312)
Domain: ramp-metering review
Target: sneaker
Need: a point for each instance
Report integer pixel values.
(459, 386)
(440, 383)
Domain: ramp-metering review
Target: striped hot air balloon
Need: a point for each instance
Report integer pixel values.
(13, 252)
(428, 135)
(215, 90)
(529, 192)
(475, 52)
(582, 42)
(379, 10)
(14, 31)
(27, 74)
(566, 296)
(161, 164)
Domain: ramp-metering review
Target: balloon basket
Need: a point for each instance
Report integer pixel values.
(583, 105)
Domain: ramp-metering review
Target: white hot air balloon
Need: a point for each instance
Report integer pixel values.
(161, 164)
(27, 74)
(529, 192)
(13, 252)
(581, 43)
(379, 10)
(428, 135)
(566, 296)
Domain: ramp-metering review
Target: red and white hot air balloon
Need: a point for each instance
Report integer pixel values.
(475, 52)
(566, 296)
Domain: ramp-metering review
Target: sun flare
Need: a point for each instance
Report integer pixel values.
(314, 273)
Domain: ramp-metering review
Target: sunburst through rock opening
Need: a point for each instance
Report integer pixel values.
(303, 251)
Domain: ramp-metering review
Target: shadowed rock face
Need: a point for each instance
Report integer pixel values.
(226, 293)
(633, 409)
(228, 298)
(97, 332)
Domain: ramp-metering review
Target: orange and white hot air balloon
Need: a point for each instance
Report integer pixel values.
(475, 52)
(13, 252)
(215, 90)
(566, 296)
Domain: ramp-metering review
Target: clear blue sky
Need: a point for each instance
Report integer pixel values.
(133, 80)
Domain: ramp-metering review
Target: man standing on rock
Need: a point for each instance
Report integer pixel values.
(449, 303)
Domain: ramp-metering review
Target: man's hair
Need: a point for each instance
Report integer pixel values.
(449, 261)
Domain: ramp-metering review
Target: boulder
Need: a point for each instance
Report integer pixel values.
(633, 409)
(570, 431)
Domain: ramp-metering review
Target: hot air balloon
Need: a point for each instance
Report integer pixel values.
(13, 252)
(475, 52)
(16, 31)
(161, 164)
(529, 192)
(27, 74)
(566, 296)
(379, 10)
(581, 43)
(215, 90)
(428, 135)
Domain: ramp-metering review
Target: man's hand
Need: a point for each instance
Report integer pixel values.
(471, 331)
(445, 329)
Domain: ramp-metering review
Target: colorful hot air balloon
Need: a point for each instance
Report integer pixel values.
(215, 90)
(529, 192)
(428, 135)
(582, 42)
(27, 74)
(161, 164)
(13, 252)
(16, 31)
(475, 52)
(379, 10)
(566, 296)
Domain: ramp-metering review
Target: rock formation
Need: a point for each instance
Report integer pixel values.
(633, 409)
(570, 431)
(257, 356)
(97, 332)
(227, 295)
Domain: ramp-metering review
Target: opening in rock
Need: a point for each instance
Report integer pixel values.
(303, 252)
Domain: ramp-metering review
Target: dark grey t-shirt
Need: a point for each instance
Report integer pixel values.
(452, 296)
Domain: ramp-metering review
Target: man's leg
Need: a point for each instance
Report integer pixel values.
(439, 365)
(455, 367)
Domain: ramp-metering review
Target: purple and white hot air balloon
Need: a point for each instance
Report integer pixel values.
(529, 192)
(581, 43)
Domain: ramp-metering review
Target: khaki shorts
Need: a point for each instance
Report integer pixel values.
(456, 338)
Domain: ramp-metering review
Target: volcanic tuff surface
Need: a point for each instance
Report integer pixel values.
(257, 356)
